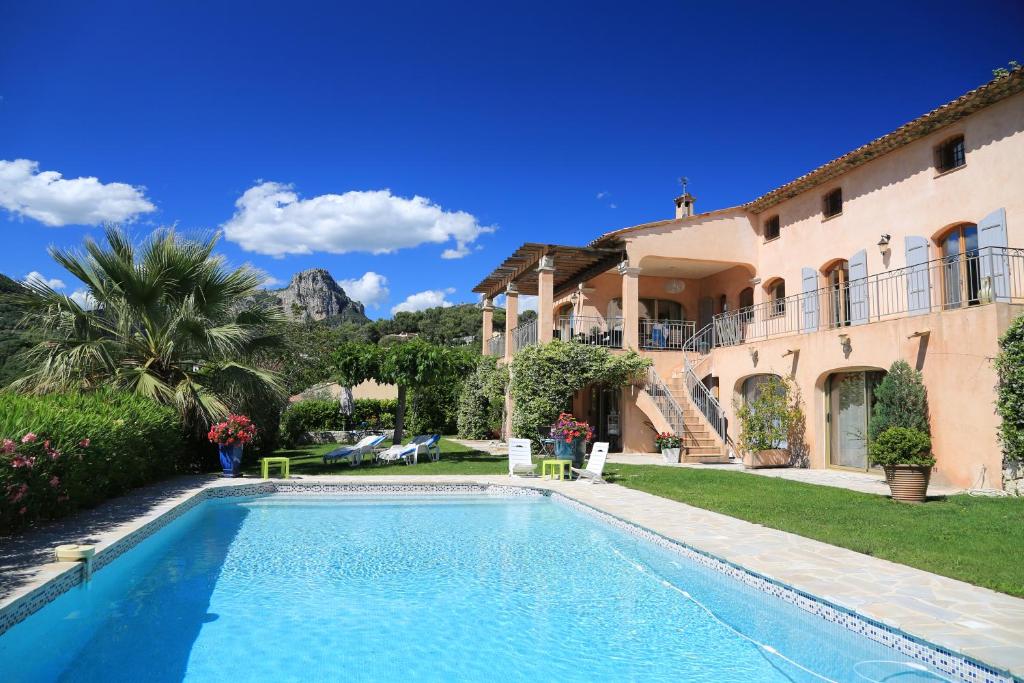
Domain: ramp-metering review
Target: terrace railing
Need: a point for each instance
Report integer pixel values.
(592, 331)
(496, 346)
(524, 335)
(979, 277)
(669, 335)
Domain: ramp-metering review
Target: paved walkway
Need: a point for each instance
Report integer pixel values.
(864, 482)
(973, 621)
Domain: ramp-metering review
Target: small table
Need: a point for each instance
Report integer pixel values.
(265, 464)
(562, 467)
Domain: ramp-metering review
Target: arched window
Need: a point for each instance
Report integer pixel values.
(776, 291)
(837, 275)
(746, 310)
(751, 387)
(565, 321)
(661, 309)
(961, 274)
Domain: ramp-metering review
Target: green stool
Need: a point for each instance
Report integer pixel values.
(559, 468)
(265, 463)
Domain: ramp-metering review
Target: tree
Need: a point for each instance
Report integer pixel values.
(406, 364)
(170, 322)
(1010, 398)
(900, 401)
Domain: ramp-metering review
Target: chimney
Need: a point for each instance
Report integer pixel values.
(684, 205)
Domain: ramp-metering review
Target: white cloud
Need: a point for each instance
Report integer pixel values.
(83, 298)
(272, 282)
(370, 290)
(602, 195)
(35, 277)
(55, 201)
(270, 218)
(419, 301)
(613, 205)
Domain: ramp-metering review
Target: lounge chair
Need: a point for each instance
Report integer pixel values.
(409, 453)
(354, 454)
(595, 465)
(520, 459)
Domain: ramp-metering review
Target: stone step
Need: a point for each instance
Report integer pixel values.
(706, 458)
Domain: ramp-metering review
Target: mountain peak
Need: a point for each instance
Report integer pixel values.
(314, 294)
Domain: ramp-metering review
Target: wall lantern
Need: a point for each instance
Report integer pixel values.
(844, 340)
(883, 243)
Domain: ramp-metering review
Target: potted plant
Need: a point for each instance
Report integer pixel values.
(569, 434)
(231, 436)
(669, 445)
(905, 454)
(765, 423)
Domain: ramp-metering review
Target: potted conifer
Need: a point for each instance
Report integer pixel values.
(900, 441)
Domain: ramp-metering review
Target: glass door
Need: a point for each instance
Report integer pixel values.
(851, 398)
(960, 268)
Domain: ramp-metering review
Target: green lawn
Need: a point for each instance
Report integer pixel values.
(976, 540)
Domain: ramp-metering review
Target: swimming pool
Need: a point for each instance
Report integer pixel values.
(467, 588)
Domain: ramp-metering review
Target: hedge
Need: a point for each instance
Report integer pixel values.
(62, 452)
(1010, 399)
(323, 415)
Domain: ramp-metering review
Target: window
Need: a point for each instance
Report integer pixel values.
(777, 296)
(838, 294)
(950, 154)
(771, 228)
(661, 309)
(832, 203)
(961, 266)
(723, 304)
(747, 297)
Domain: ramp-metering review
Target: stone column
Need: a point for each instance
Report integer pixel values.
(488, 324)
(511, 318)
(630, 306)
(545, 299)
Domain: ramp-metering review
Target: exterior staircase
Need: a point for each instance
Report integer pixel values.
(681, 415)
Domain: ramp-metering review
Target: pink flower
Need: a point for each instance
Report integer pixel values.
(8, 446)
(29, 438)
(55, 481)
(23, 510)
(84, 443)
(19, 461)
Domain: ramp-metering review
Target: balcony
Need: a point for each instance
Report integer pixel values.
(992, 274)
(592, 331)
(496, 346)
(523, 336)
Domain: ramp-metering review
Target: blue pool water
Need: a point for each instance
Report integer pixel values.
(431, 589)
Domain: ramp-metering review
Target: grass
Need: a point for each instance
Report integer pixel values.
(455, 459)
(976, 540)
(972, 539)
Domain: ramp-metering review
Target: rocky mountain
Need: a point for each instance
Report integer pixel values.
(315, 295)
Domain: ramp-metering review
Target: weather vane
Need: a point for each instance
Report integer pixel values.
(684, 181)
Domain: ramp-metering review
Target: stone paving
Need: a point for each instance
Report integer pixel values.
(976, 622)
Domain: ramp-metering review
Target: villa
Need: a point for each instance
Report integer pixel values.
(909, 247)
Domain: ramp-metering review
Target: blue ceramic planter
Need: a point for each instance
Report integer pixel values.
(569, 451)
(231, 459)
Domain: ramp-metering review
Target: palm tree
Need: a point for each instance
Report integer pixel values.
(166, 319)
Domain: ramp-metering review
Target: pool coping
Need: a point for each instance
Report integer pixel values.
(935, 648)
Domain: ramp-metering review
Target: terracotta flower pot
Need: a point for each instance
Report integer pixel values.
(773, 457)
(908, 483)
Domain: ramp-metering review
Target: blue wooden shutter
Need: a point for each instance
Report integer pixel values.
(995, 263)
(918, 280)
(858, 289)
(809, 276)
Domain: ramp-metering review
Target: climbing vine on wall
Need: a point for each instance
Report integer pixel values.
(544, 378)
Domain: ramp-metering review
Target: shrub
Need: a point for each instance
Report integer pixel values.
(130, 440)
(766, 422)
(434, 409)
(1010, 397)
(544, 378)
(325, 415)
(900, 401)
(901, 446)
(482, 401)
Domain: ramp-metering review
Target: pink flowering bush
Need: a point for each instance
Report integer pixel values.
(63, 452)
(33, 479)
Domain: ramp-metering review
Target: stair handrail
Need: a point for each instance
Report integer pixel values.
(705, 401)
(666, 402)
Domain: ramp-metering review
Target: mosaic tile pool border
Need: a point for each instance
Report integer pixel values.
(950, 663)
(962, 668)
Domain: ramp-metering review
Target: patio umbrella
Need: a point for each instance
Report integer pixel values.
(346, 404)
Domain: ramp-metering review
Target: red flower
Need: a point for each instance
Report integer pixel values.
(84, 443)
(29, 438)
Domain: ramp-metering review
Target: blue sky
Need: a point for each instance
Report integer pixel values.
(303, 129)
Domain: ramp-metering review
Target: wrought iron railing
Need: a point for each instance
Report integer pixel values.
(524, 335)
(980, 277)
(705, 401)
(592, 331)
(496, 346)
(666, 402)
(702, 341)
(669, 335)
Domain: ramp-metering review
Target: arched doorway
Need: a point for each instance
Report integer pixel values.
(850, 398)
(837, 277)
(961, 272)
